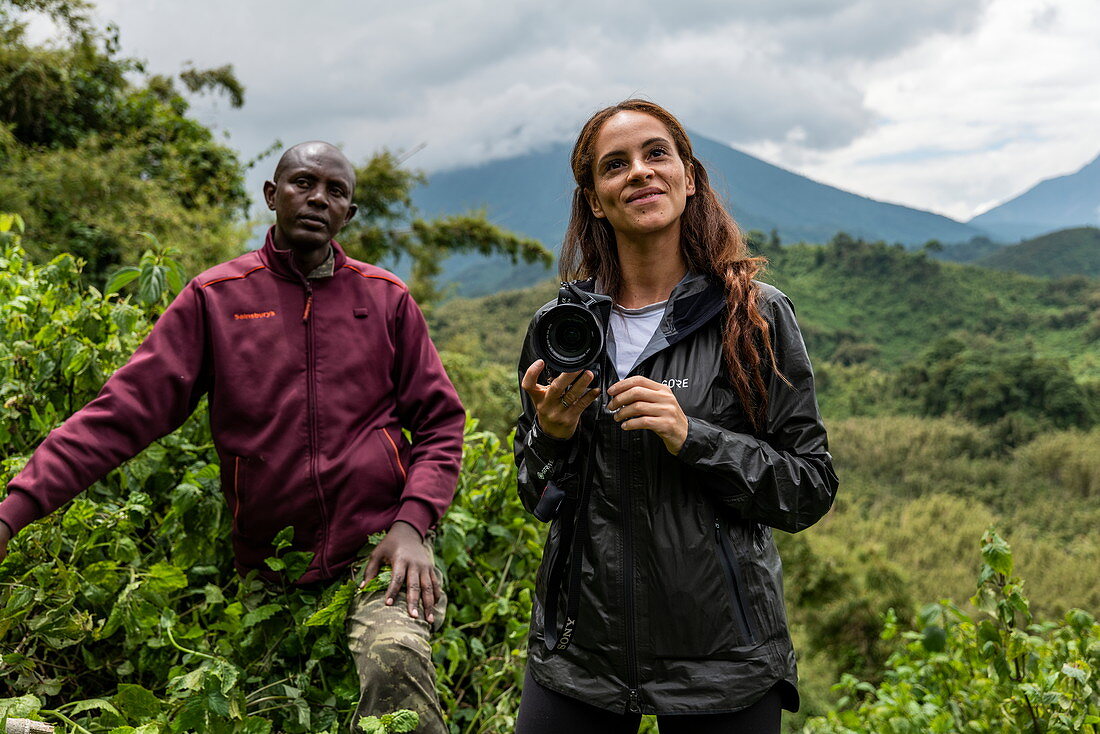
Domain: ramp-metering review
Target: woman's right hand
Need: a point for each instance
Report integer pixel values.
(559, 405)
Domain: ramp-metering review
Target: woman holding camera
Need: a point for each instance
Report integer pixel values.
(660, 589)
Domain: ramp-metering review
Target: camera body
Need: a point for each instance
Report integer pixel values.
(571, 335)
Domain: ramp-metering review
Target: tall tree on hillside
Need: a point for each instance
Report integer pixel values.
(94, 150)
(387, 228)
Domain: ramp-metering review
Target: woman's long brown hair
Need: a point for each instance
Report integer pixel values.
(710, 241)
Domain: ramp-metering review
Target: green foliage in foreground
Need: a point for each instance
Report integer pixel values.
(1001, 673)
(123, 609)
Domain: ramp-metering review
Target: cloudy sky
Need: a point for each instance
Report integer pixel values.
(945, 105)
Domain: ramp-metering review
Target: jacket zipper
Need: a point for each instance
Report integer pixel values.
(633, 704)
(314, 440)
(745, 627)
(396, 454)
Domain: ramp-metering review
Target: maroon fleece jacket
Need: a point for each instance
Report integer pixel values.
(310, 384)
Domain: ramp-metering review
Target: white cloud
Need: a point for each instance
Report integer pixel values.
(966, 123)
(943, 104)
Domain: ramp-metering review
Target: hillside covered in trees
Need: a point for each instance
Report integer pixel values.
(1058, 254)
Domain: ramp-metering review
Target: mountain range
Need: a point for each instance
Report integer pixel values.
(531, 194)
(1055, 203)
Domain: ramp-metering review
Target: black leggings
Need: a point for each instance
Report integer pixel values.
(542, 711)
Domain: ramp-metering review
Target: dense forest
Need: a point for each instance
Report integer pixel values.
(963, 406)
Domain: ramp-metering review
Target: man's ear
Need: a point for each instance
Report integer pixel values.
(351, 213)
(594, 202)
(689, 179)
(269, 194)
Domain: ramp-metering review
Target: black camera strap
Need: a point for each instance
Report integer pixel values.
(574, 529)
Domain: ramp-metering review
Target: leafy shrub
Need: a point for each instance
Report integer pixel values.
(998, 673)
(986, 382)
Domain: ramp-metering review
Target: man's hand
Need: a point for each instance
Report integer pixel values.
(403, 549)
(5, 536)
(643, 403)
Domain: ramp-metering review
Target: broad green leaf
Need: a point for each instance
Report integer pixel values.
(996, 553)
(371, 725)
(19, 708)
(255, 616)
(121, 278)
(97, 704)
(401, 721)
(335, 612)
(137, 702)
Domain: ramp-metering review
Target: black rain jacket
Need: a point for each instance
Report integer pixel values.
(681, 590)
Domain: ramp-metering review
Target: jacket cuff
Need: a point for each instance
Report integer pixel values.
(18, 510)
(544, 454)
(545, 445)
(707, 448)
(695, 443)
(417, 514)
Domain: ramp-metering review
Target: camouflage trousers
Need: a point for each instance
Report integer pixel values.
(393, 656)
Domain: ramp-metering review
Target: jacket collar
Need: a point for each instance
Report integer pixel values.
(281, 262)
(694, 301)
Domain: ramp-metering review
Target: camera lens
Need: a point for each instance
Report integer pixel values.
(568, 338)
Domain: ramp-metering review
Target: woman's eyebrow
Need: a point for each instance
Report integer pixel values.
(646, 144)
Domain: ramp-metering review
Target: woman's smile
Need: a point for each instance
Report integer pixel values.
(646, 196)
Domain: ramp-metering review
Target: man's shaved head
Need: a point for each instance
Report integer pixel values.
(313, 149)
(312, 195)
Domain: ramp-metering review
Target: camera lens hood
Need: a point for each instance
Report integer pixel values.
(569, 338)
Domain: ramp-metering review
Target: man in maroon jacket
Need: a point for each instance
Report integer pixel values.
(313, 363)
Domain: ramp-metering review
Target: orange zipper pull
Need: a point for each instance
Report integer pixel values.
(309, 305)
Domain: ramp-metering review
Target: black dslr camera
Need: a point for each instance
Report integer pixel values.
(572, 335)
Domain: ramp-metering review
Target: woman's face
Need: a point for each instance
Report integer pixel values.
(640, 182)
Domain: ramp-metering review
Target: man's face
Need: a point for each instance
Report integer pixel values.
(311, 196)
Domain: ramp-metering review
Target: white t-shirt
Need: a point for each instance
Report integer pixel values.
(631, 330)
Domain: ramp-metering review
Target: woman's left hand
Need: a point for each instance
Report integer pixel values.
(639, 402)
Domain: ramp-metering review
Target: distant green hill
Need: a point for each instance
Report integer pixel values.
(1066, 252)
(858, 302)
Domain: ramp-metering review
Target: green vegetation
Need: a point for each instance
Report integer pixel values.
(123, 610)
(133, 583)
(880, 305)
(1002, 671)
(190, 645)
(1056, 255)
(94, 150)
(957, 399)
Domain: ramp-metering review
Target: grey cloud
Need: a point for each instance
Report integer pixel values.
(477, 79)
(869, 29)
